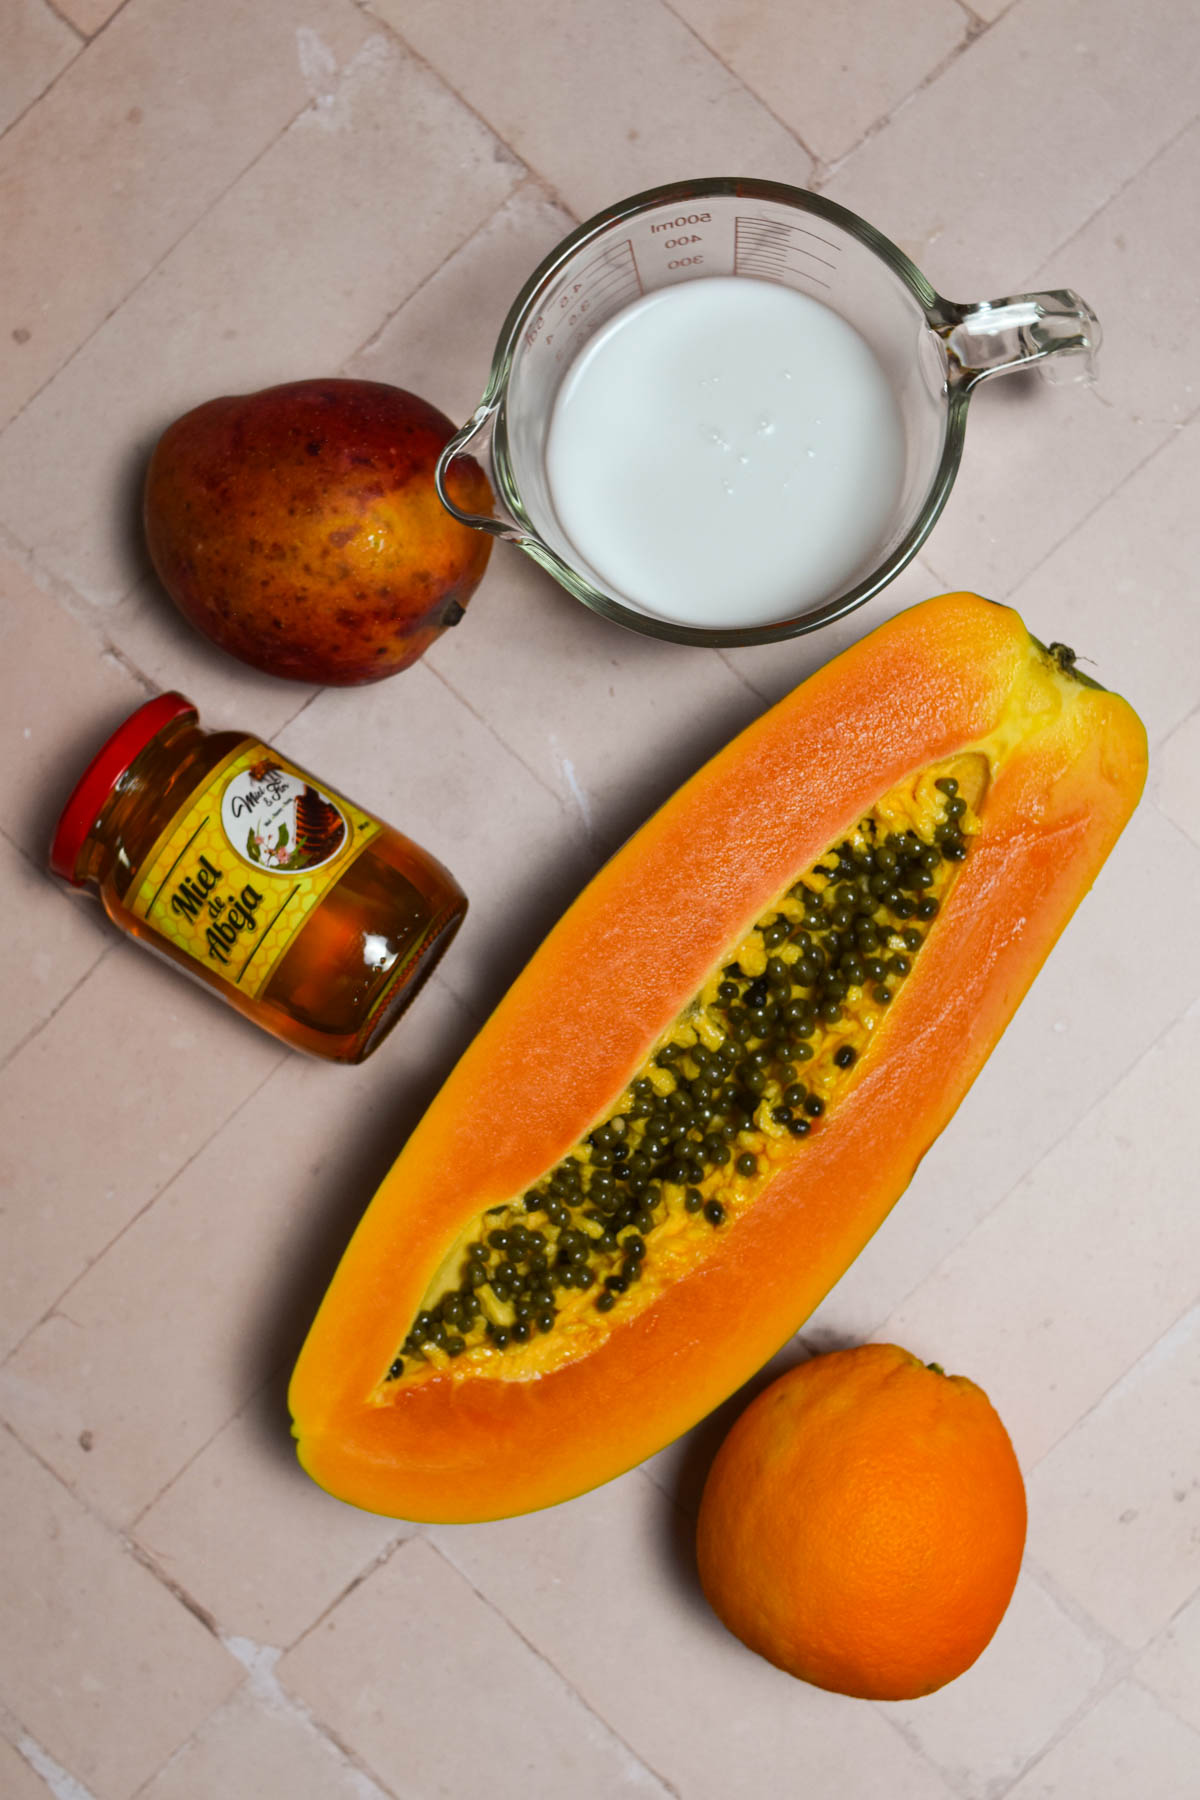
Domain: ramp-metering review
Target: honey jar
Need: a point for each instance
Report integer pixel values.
(307, 914)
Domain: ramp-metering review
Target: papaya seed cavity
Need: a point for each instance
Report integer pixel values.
(750, 1069)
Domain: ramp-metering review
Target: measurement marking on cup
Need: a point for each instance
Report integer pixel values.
(763, 246)
(610, 270)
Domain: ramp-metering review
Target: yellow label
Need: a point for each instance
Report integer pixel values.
(238, 870)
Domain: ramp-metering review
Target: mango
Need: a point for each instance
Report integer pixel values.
(300, 529)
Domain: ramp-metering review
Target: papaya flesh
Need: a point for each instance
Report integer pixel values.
(717, 1075)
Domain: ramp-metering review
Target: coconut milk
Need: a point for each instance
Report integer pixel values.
(726, 452)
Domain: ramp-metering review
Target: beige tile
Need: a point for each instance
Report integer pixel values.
(130, 147)
(283, 279)
(256, 1543)
(1176, 778)
(1057, 1057)
(616, 99)
(1022, 138)
(101, 1664)
(1170, 1664)
(18, 1779)
(258, 1747)
(619, 720)
(998, 1308)
(828, 73)
(987, 1726)
(1127, 1745)
(38, 45)
(60, 697)
(50, 941)
(1114, 1508)
(1117, 589)
(89, 15)
(372, 1671)
(1041, 456)
(707, 1715)
(417, 756)
(439, 343)
(155, 639)
(218, 1280)
(100, 1110)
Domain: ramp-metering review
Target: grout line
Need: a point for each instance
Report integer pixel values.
(1190, 1309)
(158, 1193)
(971, 36)
(530, 184)
(431, 69)
(740, 80)
(49, 87)
(490, 728)
(1026, 1175)
(364, 1574)
(35, 1031)
(1174, 431)
(309, 105)
(547, 1663)
(62, 1784)
(52, 6)
(1135, 175)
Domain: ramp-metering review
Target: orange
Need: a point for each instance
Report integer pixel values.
(863, 1524)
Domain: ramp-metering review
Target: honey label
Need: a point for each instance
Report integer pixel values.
(240, 867)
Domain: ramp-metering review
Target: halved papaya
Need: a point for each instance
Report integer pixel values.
(719, 1072)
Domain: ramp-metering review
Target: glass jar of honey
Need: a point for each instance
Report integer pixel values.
(304, 912)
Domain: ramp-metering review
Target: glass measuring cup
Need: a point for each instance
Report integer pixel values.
(933, 352)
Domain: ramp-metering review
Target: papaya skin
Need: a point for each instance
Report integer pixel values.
(1067, 765)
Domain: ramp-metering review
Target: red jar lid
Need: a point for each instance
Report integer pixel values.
(102, 774)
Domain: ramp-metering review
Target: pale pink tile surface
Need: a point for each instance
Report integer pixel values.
(1177, 781)
(1056, 1060)
(610, 101)
(1114, 1507)
(1170, 1664)
(372, 1670)
(1037, 1672)
(549, 1571)
(251, 1539)
(258, 1746)
(38, 45)
(1013, 147)
(169, 653)
(125, 1083)
(1040, 457)
(98, 1661)
(203, 199)
(1117, 589)
(994, 1309)
(90, 16)
(49, 945)
(315, 277)
(130, 148)
(18, 1778)
(828, 72)
(247, 1219)
(1127, 1744)
(61, 696)
(439, 342)
(512, 844)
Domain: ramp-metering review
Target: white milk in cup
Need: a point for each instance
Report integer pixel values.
(729, 411)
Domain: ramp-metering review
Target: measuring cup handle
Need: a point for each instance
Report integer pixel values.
(989, 337)
(481, 419)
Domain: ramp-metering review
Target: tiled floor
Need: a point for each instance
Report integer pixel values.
(198, 198)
